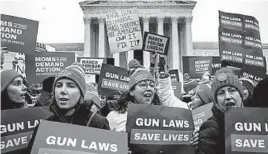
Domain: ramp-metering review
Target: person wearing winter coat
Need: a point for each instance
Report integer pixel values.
(227, 93)
(45, 96)
(248, 87)
(259, 95)
(13, 90)
(68, 100)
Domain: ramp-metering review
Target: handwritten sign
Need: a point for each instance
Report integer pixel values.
(43, 65)
(123, 30)
(17, 127)
(245, 133)
(85, 140)
(112, 79)
(159, 129)
(155, 43)
(18, 34)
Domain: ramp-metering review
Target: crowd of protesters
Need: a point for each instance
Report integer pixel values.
(71, 100)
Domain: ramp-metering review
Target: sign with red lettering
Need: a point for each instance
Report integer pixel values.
(246, 131)
(155, 43)
(159, 129)
(46, 64)
(18, 34)
(85, 140)
(17, 126)
(112, 80)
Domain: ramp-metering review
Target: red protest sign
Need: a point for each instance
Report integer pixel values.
(159, 129)
(112, 80)
(246, 131)
(70, 139)
(46, 64)
(17, 127)
(18, 34)
(201, 114)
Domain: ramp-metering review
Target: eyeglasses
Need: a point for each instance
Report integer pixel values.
(144, 84)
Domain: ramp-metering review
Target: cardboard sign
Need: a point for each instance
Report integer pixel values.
(201, 114)
(70, 139)
(158, 129)
(18, 34)
(123, 30)
(17, 127)
(92, 65)
(155, 43)
(246, 131)
(112, 80)
(46, 64)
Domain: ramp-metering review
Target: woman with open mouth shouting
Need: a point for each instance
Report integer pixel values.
(13, 90)
(68, 104)
(228, 93)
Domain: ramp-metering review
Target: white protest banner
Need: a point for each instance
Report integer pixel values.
(158, 129)
(91, 65)
(246, 131)
(123, 30)
(155, 43)
(201, 114)
(75, 139)
(17, 127)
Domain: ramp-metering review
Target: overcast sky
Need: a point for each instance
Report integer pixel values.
(61, 21)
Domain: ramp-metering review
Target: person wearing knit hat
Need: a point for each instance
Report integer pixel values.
(227, 93)
(68, 105)
(13, 90)
(202, 96)
(248, 87)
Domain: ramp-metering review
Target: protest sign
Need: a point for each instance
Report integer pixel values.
(253, 73)
(85, 140)
(216, 64)
(231, 47)
(46, 64)
(17, 127)
(196, 66)
(155, 43)
(91, 65)
(18, 34)
(176, 85)
(112, 80)
(158, 129)
(231, 21)
(201, 114)
(246, 131)
(123, 30)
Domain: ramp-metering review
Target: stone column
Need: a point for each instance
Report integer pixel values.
(160, 25)
(176, 53)
(87, 35)
(101, 38)
(188, 35)
(146, 55)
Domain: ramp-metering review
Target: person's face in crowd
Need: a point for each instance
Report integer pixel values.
(67, 93)
(245, 93)
(196, 101)
(143, 92)
(103, 100)
(16, 90)
(228, 97)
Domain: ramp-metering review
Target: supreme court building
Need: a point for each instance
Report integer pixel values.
(172, 18)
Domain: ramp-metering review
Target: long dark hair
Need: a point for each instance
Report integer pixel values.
(7, 103)
(126, 98)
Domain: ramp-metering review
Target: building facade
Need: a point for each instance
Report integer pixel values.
(172, 18)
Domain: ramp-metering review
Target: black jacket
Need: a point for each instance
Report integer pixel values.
(80, 117)
(212, 137)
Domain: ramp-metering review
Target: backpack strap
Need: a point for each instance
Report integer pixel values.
(90, 119)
